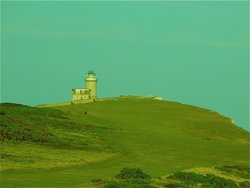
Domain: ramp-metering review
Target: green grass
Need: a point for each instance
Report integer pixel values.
(28, 155)
(159, 137)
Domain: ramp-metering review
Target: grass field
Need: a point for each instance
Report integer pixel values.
(65, 147)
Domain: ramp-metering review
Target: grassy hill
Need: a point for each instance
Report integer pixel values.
(72, 145)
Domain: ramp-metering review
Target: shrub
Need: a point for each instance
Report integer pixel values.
(242, 168)
(129, 178)
(132, 173)
(188, 177)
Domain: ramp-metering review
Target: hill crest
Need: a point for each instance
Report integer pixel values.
(157, 136)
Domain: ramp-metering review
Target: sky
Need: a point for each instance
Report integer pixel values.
(192, 52)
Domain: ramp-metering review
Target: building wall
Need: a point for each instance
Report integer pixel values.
(82, 101)
(80, 96)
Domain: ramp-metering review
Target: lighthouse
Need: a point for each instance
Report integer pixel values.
(87, 94)
(90, 83)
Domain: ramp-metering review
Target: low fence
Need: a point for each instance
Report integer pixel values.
(54, 105)
(140, 97)
(100, 99)
(107, 99)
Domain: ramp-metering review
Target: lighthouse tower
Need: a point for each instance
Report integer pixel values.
(90, 82)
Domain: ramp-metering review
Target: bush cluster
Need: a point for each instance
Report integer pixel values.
(132, 173)
(239, 170)
(215, 181)
(127, 178)
(189, 179)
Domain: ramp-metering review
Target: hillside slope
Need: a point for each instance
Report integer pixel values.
(71, 145)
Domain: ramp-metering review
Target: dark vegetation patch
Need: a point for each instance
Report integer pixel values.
(43, 125)
(24, 123)
(132, 173)
(22, 132)
(216, 181)
(189, 179)
(238, 170)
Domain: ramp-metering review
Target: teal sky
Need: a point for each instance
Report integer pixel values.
(192, 52)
